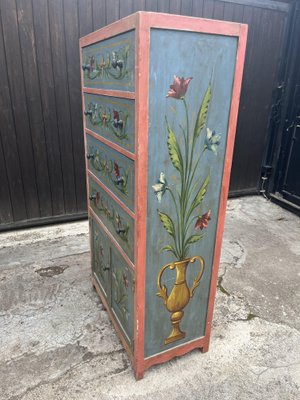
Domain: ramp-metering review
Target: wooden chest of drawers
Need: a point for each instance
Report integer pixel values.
(160, 98)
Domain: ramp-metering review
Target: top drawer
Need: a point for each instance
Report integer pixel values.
(109, 64)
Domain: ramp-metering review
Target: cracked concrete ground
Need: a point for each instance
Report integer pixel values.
(56, 341)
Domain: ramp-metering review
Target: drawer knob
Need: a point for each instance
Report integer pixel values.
(93, 197)
(89, 156)
(89, 112)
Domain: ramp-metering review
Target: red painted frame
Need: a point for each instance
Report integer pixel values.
(142, 22)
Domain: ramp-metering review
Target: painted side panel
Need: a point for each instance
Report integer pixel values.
(117, 221)
(122, 293)
(205, 58)
(113, 169)
(109, 64)
(111, 118)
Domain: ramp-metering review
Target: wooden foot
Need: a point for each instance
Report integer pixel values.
(139, 374)
(205, 348)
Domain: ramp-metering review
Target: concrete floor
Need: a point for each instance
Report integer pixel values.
(56, 341)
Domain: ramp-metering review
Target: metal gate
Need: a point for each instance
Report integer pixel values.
(281, 170)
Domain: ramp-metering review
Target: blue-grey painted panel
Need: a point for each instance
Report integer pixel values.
(113, 169)
(206, 59)
(117, 221)
(112, 118)
(122, 293)
(101, 258)
(109, 64)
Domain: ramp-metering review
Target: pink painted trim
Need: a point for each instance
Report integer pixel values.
(111, 194)
(112, 239)
(176, 351)
(124, 25)
(236, 92)
(141, 150)
(110, 144)
(194, 24)
(110, 93)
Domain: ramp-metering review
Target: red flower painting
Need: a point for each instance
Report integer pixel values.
(202, 222)
(116, 170)
(179, 87)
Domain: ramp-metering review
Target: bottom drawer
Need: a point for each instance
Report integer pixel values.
(114, 277)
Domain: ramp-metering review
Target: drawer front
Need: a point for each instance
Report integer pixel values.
(117, 221)
(122, 295)
(113, 169)
(101, 258)
(112, 118)
(109, 64)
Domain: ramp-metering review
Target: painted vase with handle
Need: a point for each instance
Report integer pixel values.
(180, 295)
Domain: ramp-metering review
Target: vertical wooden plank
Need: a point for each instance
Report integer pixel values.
(59, 61)
(238, 13)
(33, 99)
(228, 11)
(197, 9)
(151, 5)
(112, 11)
(126, 7)
(99, 13)
(175, 6)
(18, 98)
(15, 198)
(73, 74)
(218, 10)
(6, 214)
(186, 7)
(208, 8)
(85, 12)
(47, 93)
(249, 120)
(163, 6)
(138, 5)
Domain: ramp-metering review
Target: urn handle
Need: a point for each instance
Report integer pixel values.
(199, 276)
(162, 288)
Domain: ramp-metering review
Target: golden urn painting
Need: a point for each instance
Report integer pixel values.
(186, 148)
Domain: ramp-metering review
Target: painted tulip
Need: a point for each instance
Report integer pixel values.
(179, 87)
(202, 221)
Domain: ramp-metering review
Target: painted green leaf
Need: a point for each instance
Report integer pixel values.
(194, 239)
(201, 193)
(202, 113)
(167, 223)
(170, 248)
(174, 150)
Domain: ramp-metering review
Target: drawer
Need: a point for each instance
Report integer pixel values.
(117, 221)
(100, 258)
(122, 293)
(109, 64)
(113, 169)
(112, 118)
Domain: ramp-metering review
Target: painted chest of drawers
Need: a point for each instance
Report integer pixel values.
(160, 98)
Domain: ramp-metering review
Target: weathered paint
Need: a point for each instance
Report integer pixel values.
(106, 104)
(113, 169)
(110, 63)
(206, 58)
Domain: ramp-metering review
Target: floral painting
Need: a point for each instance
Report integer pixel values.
(186, 149)
(187, 228)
